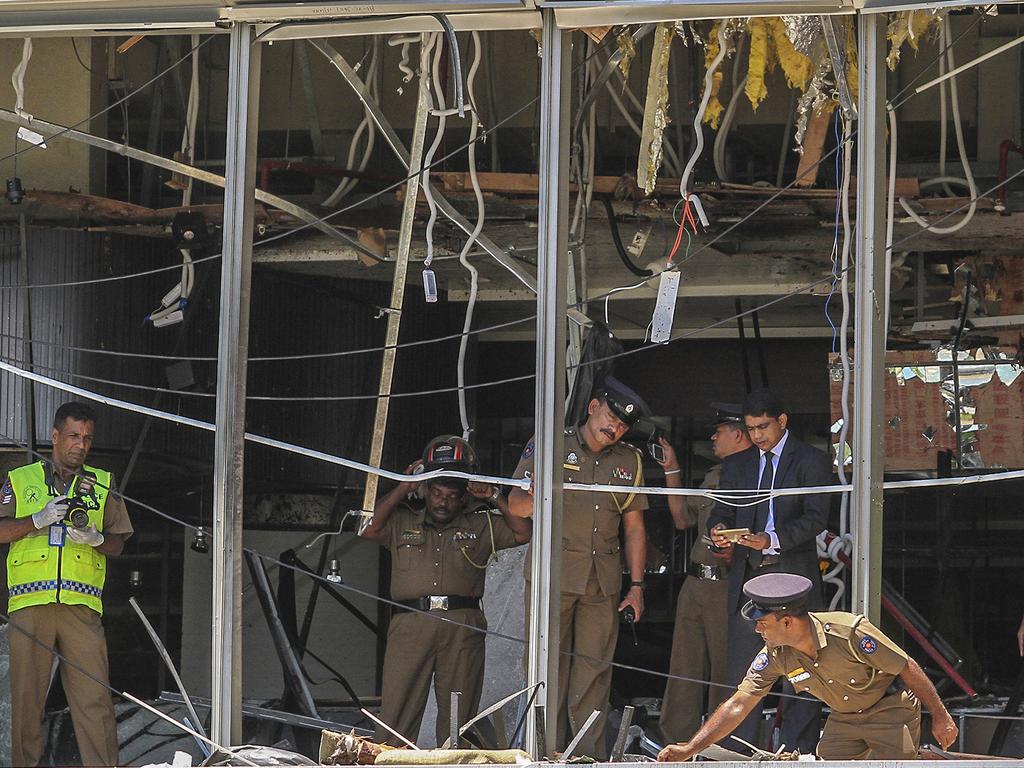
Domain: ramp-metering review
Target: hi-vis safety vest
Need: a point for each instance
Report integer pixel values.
(38, 573)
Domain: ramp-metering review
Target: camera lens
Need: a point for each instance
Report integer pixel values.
(78, 516)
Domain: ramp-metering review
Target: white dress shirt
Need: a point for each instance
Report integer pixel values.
(769, 527)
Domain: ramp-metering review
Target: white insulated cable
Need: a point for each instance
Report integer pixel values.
(439, 109)
(474, 126)
(171, 307)
(671, 156)
(403, 65)
(366, 125)
(698, 119)
(844, 324)
(18, 76)
(718, 153)
(958, 129)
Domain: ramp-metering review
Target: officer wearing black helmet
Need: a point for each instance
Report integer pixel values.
(591, 574)
(440, 548)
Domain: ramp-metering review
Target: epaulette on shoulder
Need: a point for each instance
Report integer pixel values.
(837, 623)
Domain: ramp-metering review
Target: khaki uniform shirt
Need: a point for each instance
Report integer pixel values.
(696, 511)
(115, 514)
(853, 668)
(591, 519)
(451, 559)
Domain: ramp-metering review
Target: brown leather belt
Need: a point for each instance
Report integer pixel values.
(440, 603)
(706, 572)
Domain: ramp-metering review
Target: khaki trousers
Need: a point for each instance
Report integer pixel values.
(588, 626)
(699, 651)
(421, 648)
(77, 633)
(890, 730)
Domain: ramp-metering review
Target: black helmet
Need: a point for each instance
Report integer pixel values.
(449, 452)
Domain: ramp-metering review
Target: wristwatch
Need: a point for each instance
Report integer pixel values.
(640, 584)
(497, 492)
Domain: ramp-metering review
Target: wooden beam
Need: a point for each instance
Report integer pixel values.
(814, 145)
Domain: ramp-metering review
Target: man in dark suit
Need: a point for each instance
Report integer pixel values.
(781, 538)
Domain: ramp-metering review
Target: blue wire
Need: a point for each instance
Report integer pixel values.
(835, 241)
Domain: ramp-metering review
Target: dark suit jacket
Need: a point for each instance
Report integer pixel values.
(798, 519)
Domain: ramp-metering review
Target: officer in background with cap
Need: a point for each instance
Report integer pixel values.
(591, 574)
(700, 637)
(440, 549)
(874, 690)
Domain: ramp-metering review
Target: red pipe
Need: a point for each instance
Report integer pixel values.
(1004, 151)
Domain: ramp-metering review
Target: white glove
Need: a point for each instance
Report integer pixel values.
(88, 536)
(51, 513)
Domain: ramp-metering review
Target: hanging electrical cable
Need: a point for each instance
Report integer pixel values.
(474, 116)
(172, 306)
(435, 49)
(366, 126)
(834, 575)
(738, 85)
(671, 154)
(698, 118)
(958, 130)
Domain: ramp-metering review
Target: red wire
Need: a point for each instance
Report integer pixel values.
(687, 215)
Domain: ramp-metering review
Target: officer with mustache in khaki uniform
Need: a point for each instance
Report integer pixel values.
(591, 574)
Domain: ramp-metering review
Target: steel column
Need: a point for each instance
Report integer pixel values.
(232, 358)
(552, 258)
(28, 387)
(869, 320)
(412, 191)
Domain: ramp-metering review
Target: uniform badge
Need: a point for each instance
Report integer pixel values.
(629, 408)
(798, 675)
(868, 644)
(412, 536)
(33, 495)
(760, 662)
(572, 458)
(6, 493)
(528, 450)
(620, 473)
(464, 536)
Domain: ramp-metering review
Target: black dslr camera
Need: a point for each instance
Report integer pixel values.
(81, 501)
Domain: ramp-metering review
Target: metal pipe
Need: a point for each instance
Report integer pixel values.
(197, 723)
(186, 170)
(232, 358)
(387, 367)
(549, 403)
(391, 138)
(294, 679)
(28, 386)
(869, 320)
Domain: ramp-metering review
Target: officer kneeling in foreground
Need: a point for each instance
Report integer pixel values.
(440, 550)
(872, 687)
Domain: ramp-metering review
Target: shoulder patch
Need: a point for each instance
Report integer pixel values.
(529, 449)
(760, 662)
(868, 644)
(7, 493)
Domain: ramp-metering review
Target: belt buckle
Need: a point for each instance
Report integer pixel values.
(708, 572)
(438, 602)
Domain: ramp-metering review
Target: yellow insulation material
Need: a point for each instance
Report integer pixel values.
(907, 26)
(795, 65)
(851, 61)
(756, 89)
(713, 114)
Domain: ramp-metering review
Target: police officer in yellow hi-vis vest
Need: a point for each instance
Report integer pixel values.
(62, 520)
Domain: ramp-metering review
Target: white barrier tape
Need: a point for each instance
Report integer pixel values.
(399, 477)
(739, 497)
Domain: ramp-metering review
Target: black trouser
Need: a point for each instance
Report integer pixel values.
(801, 720)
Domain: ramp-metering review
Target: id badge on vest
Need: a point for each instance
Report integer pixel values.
(58, 534)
